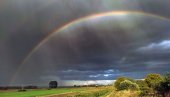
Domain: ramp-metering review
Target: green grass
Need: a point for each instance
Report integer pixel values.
(96, 92)
(38, 92)
(125, 93)
(80, 92)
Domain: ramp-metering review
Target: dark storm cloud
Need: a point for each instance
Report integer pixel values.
(86, 51)
(24, 23)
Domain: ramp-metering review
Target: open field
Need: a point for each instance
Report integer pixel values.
(60, 92)
(38, 92)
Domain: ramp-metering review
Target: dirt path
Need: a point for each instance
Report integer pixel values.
(70, 94)
(62, 95)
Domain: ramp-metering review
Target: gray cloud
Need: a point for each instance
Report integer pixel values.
(96, 47)
(161, 47)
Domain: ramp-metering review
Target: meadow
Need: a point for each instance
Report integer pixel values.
(76, 92)
(38, 92)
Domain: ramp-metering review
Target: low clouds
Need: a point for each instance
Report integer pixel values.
(163, 46)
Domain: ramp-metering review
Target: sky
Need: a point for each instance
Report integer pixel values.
(82, 41)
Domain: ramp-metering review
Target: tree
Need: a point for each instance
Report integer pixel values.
(118, 81)
(128, 85)
(143, 87)
(164, 86)
(141, 83)
(121, 79)
(153, 80)
(53, 84)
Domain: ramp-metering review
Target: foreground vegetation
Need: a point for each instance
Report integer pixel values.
(154, 85)
(97, 92)
(124, 93)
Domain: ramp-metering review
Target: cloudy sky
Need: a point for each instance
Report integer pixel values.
(82, 41)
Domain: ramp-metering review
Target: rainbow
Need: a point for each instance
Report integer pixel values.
(77, 21)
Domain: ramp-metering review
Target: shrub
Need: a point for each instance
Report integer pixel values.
(145, 91)
(118, 81)
(153, 80)
(128, 85)
(141, 83)
(164, 86)
(22, 90)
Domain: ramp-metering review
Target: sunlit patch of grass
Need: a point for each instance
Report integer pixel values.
(125, 93)
(97, 92)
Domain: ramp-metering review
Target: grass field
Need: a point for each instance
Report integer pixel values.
(84, 91)
(38, 92)
(95, 92)
(125, 93)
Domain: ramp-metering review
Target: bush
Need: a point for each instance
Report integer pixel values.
(22, 90)
(153, 80)
(141, 83)
(128, 85)
(164, 86)
(118, 81)
(121, 79)
(145, 91)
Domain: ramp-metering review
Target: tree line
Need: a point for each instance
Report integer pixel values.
(152, 85)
